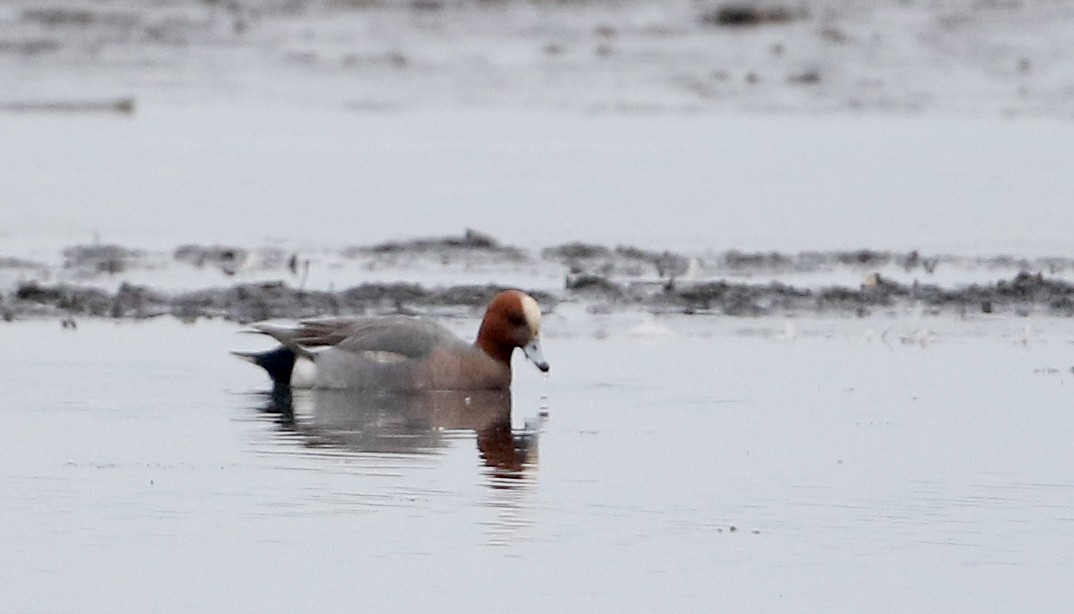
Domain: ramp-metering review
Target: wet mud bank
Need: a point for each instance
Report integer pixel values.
(369, 55)
(1025, 294)
(250, 284)
(243, 302)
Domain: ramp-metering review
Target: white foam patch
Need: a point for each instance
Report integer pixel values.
(650, 327)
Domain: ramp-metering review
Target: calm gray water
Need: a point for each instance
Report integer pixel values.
(315, 178)
(747, 465)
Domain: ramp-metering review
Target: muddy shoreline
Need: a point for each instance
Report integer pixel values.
(92, 282)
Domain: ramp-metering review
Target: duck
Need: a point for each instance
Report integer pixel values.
(403, 353)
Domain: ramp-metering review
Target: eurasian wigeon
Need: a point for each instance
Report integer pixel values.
(402, 352)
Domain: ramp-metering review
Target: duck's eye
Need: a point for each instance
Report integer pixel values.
(516, 319)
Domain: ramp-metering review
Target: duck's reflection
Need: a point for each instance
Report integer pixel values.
(408, 423)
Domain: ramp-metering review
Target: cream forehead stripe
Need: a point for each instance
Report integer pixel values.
(532, 311)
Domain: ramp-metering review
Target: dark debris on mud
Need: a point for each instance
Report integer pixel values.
(1023, 294)
(596, 275)
(747, 15)
(445, 249)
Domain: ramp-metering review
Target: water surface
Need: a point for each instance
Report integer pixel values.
(753, 465)
(315, 178)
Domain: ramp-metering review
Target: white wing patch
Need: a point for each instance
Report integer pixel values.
(382, 356)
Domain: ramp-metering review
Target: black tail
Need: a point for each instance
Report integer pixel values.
(279, 363)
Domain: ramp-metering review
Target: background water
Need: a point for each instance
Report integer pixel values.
(748, 465)
(316, 178)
